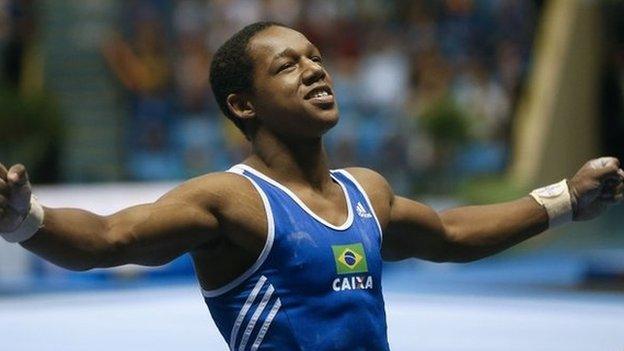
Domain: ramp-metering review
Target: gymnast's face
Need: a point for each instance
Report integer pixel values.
(293, 94)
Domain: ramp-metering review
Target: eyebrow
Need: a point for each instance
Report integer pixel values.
(290, 51)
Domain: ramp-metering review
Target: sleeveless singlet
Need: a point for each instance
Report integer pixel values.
(315, 286)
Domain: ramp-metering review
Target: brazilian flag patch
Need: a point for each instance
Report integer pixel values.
(350, 258)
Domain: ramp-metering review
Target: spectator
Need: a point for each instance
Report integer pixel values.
(393, 62)
(143, 68)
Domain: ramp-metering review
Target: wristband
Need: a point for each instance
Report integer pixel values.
(29, 226)
(555, 198)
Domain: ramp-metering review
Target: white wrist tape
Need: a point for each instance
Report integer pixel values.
(30, 225)
(555, 198)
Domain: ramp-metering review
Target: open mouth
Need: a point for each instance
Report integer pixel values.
(321, 96)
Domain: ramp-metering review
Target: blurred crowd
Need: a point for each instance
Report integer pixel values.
(426, 88)
(30, 120)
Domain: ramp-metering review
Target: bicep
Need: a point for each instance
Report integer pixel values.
(413, 230)
(154, 234)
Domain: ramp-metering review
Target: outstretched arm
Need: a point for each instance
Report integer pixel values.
(149, 234)
(469, 233)
(462, 234)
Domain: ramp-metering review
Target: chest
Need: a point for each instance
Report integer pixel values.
(314, 256)
(314, 242)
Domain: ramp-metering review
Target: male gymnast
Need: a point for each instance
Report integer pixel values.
(289, 253)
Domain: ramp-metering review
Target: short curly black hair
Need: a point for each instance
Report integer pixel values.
(231, 70)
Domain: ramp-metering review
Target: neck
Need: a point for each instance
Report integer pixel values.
(290, 160)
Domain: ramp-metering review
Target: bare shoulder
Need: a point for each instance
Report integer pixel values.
(216, 191)
(373, 183)
(232, 199)
(378, 190)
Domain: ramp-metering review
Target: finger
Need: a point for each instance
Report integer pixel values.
(17, 176)
(612, 181)
(612, 187)
(4, 188)
(619, 189)
(607, 170)
(603, 162)
(609, 196)
(20, 189)
(621, 173)
(612, 199)
(614, 194)
(3, 172)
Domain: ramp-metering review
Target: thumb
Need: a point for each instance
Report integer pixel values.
(20, 188)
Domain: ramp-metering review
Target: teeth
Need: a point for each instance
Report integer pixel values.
(320, 94)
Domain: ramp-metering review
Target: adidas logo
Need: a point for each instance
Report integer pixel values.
(361, 211)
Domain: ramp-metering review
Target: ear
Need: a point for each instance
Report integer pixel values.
(240, 106)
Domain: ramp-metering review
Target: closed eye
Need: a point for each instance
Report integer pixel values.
(285, 66)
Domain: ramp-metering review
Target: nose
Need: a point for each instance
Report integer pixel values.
(313, 72)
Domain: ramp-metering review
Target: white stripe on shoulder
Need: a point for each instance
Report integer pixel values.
(266, 325)
(254, 318)
(245, 309)
(361, 189)
(236, 169)
(267, 245)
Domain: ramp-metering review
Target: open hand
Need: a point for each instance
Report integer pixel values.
(596, 185)
(15, 191)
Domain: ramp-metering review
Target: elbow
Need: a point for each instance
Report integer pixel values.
(114, 252)
(455, 250)
(105, 255)
(112, 249)
(456, 254)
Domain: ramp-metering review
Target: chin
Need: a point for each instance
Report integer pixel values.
(310, 123)
(328, 120)
(329, 116)
(317, 127)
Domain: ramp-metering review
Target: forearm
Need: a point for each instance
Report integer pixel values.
(71, 238)
(474, 232)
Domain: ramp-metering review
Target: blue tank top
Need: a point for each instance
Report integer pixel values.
(315, 286)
